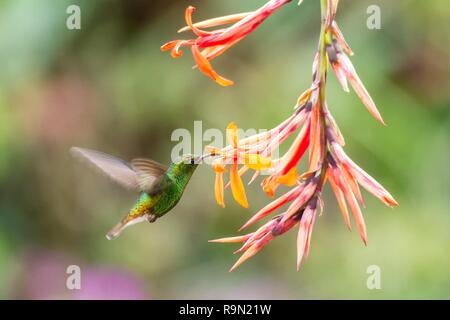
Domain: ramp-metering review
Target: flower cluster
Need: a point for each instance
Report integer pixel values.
(210, 44)
(316, 132)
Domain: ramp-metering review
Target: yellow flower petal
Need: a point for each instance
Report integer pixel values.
(232, 134)
(237, 187)
(290, 178)
(218, 189)
(256, 161)
(218, 166)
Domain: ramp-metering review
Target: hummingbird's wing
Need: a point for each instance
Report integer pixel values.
(148, 173)
(116, 169)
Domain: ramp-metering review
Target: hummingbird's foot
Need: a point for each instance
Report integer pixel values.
(152, 218)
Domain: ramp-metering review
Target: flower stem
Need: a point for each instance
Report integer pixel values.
(323, 68)
(323, 64)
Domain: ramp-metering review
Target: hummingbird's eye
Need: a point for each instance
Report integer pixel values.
(192, 161)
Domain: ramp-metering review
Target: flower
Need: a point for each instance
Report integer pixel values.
(315, 131)
(210, 44)
(344, 70)
(238, 153)
(327, 161)
(254, 242)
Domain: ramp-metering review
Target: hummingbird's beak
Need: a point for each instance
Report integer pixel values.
(203, 157)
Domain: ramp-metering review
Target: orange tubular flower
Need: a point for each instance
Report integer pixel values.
(210, 44)
(237, 153)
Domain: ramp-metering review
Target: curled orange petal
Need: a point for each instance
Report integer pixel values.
(175, 47)
(205, 67)
(169, 45)
(188, 17)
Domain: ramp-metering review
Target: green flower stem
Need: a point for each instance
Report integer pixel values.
(323, 70)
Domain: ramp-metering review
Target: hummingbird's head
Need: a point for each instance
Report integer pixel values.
(182, 169)
(185, 167)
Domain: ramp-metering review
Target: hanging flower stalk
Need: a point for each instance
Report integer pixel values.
(210, 44)
(316, 132)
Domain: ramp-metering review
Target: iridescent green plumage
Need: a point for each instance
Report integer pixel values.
(172, 186)
(160, 187)
(166, 193)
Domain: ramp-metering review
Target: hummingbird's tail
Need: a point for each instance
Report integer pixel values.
(126, 222)
(116, 231)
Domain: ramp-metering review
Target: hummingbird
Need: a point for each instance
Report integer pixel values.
(160, 187)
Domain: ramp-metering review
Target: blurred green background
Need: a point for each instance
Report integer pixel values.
(108, 87)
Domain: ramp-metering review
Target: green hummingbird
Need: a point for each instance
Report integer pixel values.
(160, 187)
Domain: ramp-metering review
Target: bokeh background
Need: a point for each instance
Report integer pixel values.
(108, 87)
